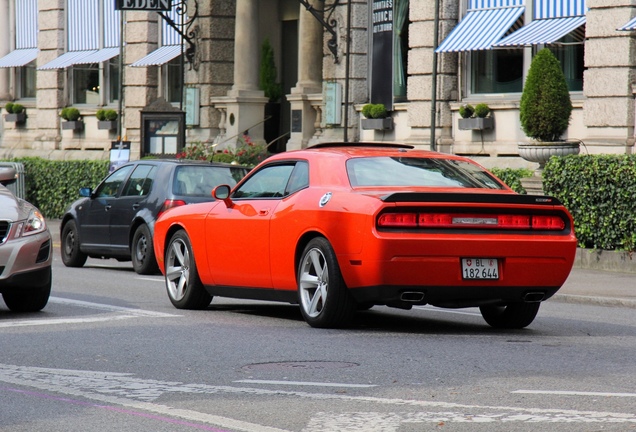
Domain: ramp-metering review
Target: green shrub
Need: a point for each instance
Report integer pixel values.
(482, 110)
(545, 107)
(53, 185)
(9, 107)
(599, 192)
(70, 114)
(14, 108)
(101, 114)
(111, 115)
(272, 89)
(512, 177)
(374, 111)
(466, 111)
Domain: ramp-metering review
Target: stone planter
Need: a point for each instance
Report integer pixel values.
(15, 118)
(541, 152)
(75, 125)
(476, 123)
(377, 123)
(106, 124)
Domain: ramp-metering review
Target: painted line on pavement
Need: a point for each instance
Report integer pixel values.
(574, 393)
(303, 383)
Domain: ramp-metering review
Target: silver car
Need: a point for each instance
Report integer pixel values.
(25, 251)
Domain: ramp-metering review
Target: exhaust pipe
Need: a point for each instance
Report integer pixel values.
(412, 296)
(533, 297)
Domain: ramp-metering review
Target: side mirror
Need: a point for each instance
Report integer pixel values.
(8, 175)
(85, 192)
(222, 192)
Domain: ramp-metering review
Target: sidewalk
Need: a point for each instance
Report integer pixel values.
(603, 278)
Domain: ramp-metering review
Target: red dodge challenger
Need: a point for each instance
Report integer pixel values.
(340, 227)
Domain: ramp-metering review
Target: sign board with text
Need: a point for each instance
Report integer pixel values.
(143, 5)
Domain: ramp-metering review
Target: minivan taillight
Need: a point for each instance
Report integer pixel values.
(170, 203)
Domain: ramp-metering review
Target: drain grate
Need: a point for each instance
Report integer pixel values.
(300, 365)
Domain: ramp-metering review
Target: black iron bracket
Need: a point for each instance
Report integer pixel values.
(186, 29)
(328, 23)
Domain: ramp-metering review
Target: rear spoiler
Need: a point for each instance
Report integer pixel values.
(413, 197)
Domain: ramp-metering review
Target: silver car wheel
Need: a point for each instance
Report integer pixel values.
(177, 269)
(314, 282)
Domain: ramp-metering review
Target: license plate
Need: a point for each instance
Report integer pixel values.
(480, 268)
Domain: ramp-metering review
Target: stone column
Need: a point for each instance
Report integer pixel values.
(309, 85)
(244, 105)
(5, 48)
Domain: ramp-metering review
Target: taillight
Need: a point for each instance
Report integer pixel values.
(395, 220)
(472, 221)
(170, 203)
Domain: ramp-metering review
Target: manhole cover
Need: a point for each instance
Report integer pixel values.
(300, 365)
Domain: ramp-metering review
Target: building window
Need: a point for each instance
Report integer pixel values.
(174, 81)
(113, 80)
(496, 71)
(25, 77)
(570, 54)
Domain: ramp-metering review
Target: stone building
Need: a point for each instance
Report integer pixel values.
(331, 57)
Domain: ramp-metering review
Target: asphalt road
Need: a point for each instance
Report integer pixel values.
(110, 353)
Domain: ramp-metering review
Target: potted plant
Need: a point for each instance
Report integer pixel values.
(72, 117)
(376, 117)
(106, 119)
(15, 113)
(545, 111)
(475, 118)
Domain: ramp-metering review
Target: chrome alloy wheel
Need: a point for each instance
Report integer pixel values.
(178, 262)
(314, 282)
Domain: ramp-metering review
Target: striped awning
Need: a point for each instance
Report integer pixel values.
(100, 56)
(542, 31)
(18, 58)
(480, 29)
(67, 59)
(631, 25)
(159, 56)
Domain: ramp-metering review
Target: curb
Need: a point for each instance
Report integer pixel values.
(595, 300)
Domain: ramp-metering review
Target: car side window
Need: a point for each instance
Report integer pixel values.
(299, 178)
(110, 186)
(268, 182)
(140, 181)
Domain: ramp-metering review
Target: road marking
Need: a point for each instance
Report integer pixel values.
(303, 383)
(122, 313)
(125, 390)
(152, 279)
(575, 393)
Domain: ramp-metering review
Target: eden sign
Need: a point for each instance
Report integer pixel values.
(143, 5)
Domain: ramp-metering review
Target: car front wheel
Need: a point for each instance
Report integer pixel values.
(28, 299)
(324, 299)
(72, 256)
(184, 287)
(511, 316)
(143, 253)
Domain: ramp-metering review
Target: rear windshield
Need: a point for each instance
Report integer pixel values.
(200, 180)
(415, 171)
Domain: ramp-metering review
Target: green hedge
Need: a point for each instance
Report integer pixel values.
(53, 185)
(600, 192)
(512, 177)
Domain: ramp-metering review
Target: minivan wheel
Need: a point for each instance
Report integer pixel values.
(143, 253)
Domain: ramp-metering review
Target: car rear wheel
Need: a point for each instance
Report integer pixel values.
(185, 289)
(143, 253)
(72, 256)
(324, 299)
(28, 299)
(512, 316)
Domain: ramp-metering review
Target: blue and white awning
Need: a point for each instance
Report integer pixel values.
(542, 31)
(484, 25)
(100, 56)
(159, 56)
(630, 26)
(67, 59)
(553, 19)
(18, 58)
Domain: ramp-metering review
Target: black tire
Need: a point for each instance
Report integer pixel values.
(512, 316)
(325, 301)
(184, 287)
(142, 252)
(28, 299)
(72, 256)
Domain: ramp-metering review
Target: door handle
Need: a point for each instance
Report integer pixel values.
(135, 206)
(107, 207)
(263, 212)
